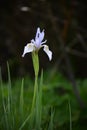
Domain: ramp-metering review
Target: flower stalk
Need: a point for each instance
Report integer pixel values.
(36, 71)
(34, 46)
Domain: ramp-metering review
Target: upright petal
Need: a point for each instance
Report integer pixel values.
(37, 43)
(32, 41)
(37, 33)
(43, 42)
(47, 51)
(28, 48)
(41, 37)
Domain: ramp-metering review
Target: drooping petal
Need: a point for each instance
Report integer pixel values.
(28, 48)
(47, 51)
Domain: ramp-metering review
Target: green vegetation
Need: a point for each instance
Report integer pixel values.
(60, 109)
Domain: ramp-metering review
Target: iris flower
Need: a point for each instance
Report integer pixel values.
(38, 43)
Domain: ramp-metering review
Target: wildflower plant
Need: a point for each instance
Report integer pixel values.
(34, 46)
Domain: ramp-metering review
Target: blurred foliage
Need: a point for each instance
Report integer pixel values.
(57, 94)
(61, 19)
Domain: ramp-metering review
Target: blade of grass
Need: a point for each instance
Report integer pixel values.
(70, 115)
(25, 121)
(3, 103)
(21, 99)
(21, 106)
(9, 90)
(51, 120)
(10, 100)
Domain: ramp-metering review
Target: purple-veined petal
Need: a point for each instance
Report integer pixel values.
(47, 51)
(28, 48)
(41, 36)
(38, 38)
(37, 43)
(37, 33)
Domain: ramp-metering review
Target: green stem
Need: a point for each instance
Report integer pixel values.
(35, 92)
(36, 70)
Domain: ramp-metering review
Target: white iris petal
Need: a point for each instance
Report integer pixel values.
(36, 44)
(28, 48)
(47, 51)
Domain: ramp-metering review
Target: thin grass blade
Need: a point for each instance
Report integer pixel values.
(51, 120)
(70, 116)
(10, 100)
(21, 99)
(3, 103)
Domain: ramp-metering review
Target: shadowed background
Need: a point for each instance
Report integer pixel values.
(65, 25)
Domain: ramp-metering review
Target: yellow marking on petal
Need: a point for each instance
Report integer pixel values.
(48, 52)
